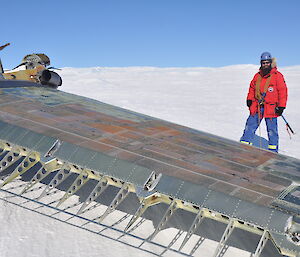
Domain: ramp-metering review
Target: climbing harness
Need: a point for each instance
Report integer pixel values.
(261, 100)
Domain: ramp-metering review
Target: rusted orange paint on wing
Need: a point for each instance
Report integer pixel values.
(107, 128)
(164, 147)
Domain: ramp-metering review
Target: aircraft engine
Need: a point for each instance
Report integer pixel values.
(50, 78)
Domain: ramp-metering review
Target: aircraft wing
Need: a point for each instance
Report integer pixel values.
(53, 133)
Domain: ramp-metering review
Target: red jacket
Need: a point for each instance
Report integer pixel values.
(276, 94)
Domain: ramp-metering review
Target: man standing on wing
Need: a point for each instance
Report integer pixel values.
(267, 99)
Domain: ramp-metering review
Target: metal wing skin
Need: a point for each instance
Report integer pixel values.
(52, 133)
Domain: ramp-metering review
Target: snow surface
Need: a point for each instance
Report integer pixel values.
(207, 99)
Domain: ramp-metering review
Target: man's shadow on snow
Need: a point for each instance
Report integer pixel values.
(260, 142)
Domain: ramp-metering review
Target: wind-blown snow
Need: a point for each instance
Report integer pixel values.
(207, 99)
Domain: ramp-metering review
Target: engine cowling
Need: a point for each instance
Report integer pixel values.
(50, 78)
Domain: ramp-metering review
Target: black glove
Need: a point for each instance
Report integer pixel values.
(279, 110)
(249, 102)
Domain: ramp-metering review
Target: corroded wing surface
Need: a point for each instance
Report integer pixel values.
(159, 161)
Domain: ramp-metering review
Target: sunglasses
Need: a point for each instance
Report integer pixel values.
(265, 63)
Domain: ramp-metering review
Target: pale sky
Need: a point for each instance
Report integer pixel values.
(161, 33)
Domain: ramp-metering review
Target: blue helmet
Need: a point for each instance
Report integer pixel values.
(265, 56)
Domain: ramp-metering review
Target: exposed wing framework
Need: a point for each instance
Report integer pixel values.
(84, 148)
